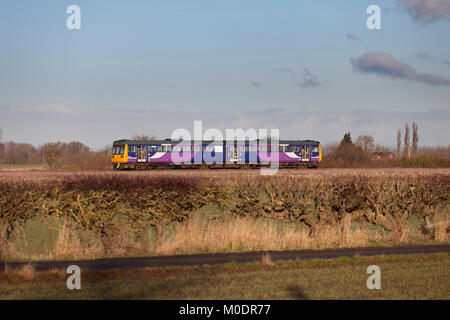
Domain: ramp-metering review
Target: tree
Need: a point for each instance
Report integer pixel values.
(52, 154)
(142, 137)
(407, 148)
(415, 138)
(365, 142)
(20, 153)
(2, 147)
(74, 148)
(399, 142)
(347, 138)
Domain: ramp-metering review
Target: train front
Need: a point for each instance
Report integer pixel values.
(119, 154)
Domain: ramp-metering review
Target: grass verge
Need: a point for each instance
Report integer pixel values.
(402, 277)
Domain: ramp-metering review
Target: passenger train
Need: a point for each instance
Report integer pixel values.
(150, 154)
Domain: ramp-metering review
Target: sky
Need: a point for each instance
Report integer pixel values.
(312, 69)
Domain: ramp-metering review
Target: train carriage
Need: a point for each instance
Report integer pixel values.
(148, 154)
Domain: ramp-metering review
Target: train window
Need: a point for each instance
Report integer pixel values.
(118, 150)
(197, 148)
(169, 148)
(176, 149)
(315, 149)
(159, 148)
(209, 148)
(152, 149)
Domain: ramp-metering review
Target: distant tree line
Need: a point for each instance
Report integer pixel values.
(59, 155)
(55, 155)
(364, 152)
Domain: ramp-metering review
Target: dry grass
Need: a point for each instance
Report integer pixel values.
(266, 260)
(252, 234)
(26, 272)
(442, 227)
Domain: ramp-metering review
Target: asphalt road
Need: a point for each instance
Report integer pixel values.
(221, 258)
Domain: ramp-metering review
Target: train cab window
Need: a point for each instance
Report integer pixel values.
(118, 150)
(315, 149)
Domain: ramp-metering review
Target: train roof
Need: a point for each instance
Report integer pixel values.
(170, 141)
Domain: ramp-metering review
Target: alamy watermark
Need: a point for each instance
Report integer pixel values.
(374, 281)
(74, 20)
(242, 146)
(74, 281)
(374, 20)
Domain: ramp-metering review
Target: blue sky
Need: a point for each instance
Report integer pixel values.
(154, 66)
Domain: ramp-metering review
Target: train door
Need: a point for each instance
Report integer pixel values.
(240, 153)
(232, 152)
(142, 154)
(306, 153)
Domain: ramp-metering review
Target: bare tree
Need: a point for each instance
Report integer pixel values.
(407, 147)
(52, 154)
(2, 147)
(143, 137)
(415, 138)
(399, 142)
(365, 142)
(20, 153)
(75, 147)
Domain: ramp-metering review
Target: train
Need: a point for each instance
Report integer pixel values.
(152, 154)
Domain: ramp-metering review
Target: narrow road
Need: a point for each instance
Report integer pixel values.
(221, 258)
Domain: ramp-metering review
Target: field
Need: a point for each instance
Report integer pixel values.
(37, 174)
(80, 215)
(402, 277)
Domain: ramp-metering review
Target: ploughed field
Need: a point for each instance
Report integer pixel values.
(85, 214)
(39, 175)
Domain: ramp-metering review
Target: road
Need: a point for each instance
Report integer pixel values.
(221, 258)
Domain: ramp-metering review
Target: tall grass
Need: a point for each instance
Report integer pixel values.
(250, 234)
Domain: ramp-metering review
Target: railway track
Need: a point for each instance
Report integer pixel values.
(221, 258)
